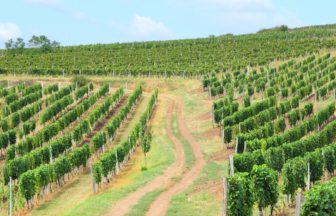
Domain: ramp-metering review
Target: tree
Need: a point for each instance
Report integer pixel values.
(9, 44)
(34, 42)
(146, 141)
(19, 44)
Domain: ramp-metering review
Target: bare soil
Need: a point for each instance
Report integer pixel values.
(101, 125)
(197, 91)
(221, 155)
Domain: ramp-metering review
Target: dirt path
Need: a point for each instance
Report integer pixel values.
(161, 204)
(123, 206)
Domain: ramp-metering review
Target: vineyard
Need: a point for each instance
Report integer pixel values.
(228, 125)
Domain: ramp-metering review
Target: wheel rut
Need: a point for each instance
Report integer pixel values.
(125, 205)
(161, 204)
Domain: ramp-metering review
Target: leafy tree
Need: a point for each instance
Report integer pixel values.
(146, 141)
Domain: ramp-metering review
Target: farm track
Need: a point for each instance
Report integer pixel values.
(161, 204)
(125, 205)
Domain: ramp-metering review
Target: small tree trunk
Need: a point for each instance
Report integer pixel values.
(260, 211)
(145, 160)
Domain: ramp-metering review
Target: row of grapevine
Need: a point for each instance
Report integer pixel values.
(110, 161)
(59, 95)
(293, 134)
(11, 97)
(50, 89)
(54, 170)
(22, 116)
(275, 157)
(32, 159)
(98, 113)
(251, 129)
(116, 121)
(8, 138)
(23, 101)
(209, 54)
(79, 93)
(31, 89)
(53, 129)
(55, 109)
(6, 91)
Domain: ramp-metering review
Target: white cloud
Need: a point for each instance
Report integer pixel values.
(8, 31)
(145, 27)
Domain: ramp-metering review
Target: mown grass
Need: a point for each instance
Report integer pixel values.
(188, 151)
(200, 202)
(144, 203)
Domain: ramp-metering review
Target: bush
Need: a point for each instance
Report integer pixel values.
(143, 168)
(81, 80)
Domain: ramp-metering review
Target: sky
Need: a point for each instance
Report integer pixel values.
(75, 22)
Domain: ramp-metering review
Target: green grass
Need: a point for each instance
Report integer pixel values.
(188, 152)
(144, 203)
(201, 202)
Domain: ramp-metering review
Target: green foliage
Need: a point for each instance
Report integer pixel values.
(80, 80)
(241, 197)
(320, 200)
(265, 183)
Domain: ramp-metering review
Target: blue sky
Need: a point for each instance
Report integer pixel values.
(74, 22)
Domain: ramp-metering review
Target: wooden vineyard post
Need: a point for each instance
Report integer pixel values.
(223, 137)
(236, 150)
(93, 181)
(225, 197)
(308, 175)
(10, 195)
(212, 119)
(298, 202)
(231, 166)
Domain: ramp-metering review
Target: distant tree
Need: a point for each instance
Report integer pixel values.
(19, 45)
(283, 28)
(212, 36)
(9, 44)
(34, 42)
(43, 43)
